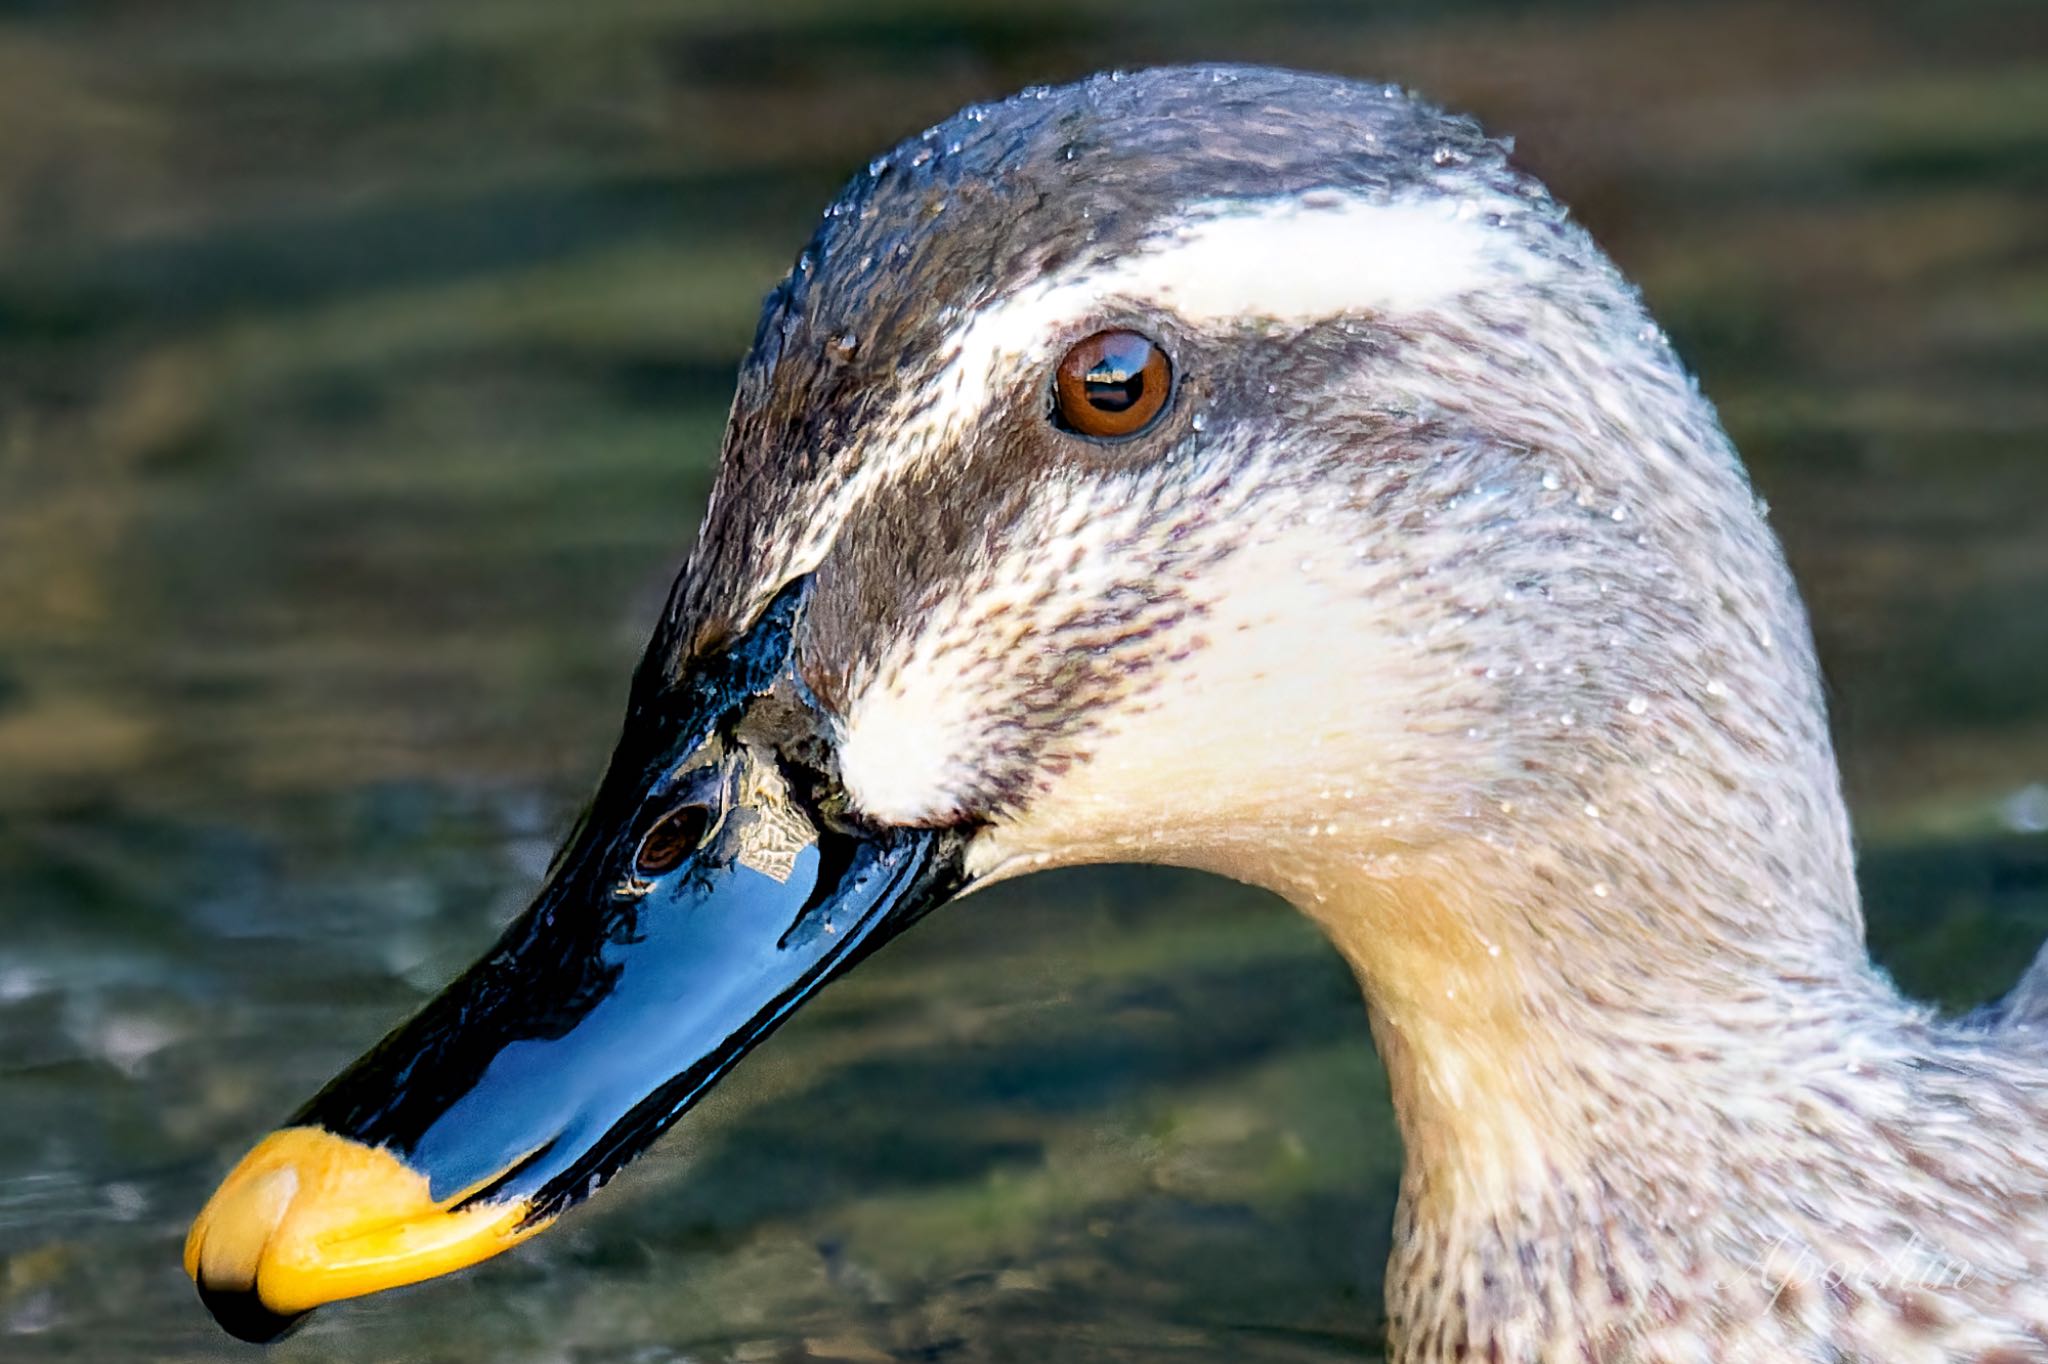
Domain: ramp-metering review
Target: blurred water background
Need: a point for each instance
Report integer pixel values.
(361, 372)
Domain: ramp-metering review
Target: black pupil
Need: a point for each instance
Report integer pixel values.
(1116, 382)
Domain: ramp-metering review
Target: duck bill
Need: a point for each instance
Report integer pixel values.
(604, 1012)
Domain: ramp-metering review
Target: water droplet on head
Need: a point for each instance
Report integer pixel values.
(1637, 705)
(1551, 483)
(1200, 421)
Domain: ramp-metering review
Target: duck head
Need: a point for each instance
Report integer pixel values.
(1229, 468)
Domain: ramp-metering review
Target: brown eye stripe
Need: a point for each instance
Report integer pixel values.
(1112, 385)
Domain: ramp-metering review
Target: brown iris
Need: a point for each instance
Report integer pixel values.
(674, 837)
(1112, 385)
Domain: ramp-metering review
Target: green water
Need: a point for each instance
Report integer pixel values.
(361, 369)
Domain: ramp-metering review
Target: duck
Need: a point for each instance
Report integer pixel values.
(1257, 472)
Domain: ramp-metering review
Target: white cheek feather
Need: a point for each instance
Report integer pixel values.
(1290, 620)
(910, 740)
(914, 736)
(902, 751)
(1244, 734)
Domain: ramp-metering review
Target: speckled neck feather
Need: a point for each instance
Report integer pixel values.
(1656, 1102)
(1438, 603)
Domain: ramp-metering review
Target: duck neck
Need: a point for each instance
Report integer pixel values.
(1649, 1058)
(1552, 992)
(1520, 1027)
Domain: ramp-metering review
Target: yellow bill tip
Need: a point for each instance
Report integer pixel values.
(309, 1217)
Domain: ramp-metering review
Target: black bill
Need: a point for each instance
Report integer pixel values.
(712, 887)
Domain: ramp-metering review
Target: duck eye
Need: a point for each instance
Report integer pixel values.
(674, 837)
(1112, 385)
